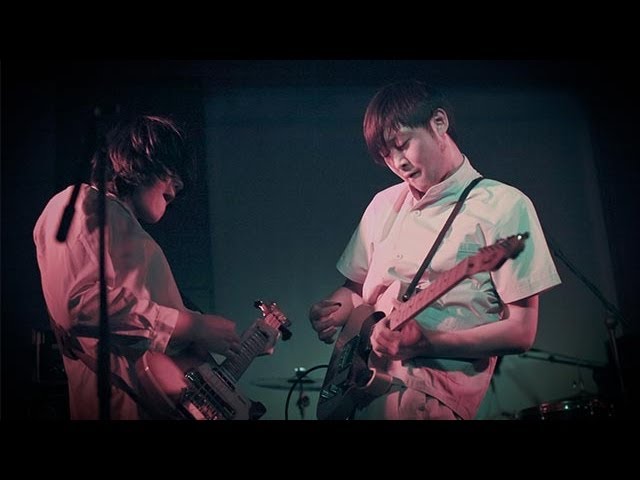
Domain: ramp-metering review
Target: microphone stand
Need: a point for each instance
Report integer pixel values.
(104, 367)
(612, 318)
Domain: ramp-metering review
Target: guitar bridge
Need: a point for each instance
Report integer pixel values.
(200, 400)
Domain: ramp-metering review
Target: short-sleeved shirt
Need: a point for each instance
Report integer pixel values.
(143, 298)
(390, 243)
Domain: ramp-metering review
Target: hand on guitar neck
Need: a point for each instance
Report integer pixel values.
(234, 348)
(191, 384)
(272, 334)
(205, 333)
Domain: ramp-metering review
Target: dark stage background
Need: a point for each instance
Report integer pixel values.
(285, 176)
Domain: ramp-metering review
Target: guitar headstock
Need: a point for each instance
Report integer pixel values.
(274, 317)
(492, 257)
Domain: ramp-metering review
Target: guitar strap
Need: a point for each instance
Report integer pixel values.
(71, 348)
(412, 286)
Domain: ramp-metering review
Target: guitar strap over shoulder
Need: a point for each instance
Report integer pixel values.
(412, 286)
(71, 348)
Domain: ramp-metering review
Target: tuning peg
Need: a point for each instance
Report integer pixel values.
(265, 309)
(260, 305)
(286, 333)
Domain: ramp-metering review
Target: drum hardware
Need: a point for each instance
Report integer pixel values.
(612, 318)
(579, 407)
(284, 383)
(302, 383)
(582, 406)
(538, 354)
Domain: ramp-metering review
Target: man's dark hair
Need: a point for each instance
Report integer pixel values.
(141, 149)
(410, 104)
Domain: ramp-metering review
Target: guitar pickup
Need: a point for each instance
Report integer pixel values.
(331, 392)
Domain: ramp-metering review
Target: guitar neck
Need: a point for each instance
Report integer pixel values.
(252, 346)
(421, 300)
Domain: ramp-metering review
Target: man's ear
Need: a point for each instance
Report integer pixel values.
(439, 121)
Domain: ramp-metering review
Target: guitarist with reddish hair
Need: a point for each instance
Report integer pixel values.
(438, 361)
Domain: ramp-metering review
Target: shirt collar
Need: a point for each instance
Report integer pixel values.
(451, 186)
(116, 199)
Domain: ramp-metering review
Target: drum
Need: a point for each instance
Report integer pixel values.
(581, 407)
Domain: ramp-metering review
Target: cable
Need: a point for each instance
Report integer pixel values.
(293, 386)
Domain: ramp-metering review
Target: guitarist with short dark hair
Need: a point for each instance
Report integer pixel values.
(434, 352)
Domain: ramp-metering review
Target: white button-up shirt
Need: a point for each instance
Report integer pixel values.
(393, 238)
(143, 298)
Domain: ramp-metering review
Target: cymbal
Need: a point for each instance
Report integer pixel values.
(283, 383)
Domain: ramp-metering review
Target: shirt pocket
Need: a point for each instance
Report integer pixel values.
(467, 249)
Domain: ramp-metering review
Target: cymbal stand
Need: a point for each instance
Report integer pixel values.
(612, 318)
(303, 399)
(301, 372)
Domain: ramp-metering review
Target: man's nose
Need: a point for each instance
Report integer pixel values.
(400, 161)
(170, 192)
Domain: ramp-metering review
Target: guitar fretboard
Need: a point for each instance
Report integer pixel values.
(421, 300)
(251, 347)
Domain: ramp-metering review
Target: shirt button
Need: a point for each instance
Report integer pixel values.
(398, 256)
(417, 213)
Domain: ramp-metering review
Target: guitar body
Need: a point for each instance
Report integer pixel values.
(185, 387)
(349, 382)
(195, 387)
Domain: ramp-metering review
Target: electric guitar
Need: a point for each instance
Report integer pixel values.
(185, 386)
(353, 379)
